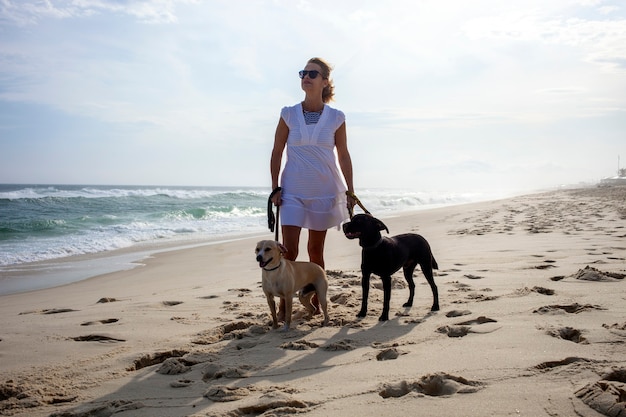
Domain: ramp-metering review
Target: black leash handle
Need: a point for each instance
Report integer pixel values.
(272, 221)
(358, 202)
(277, 222)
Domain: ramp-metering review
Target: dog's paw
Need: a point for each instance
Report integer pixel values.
(361, 314)
(384, 317)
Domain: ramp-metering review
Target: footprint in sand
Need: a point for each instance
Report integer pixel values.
(49, 311)
(181, 383)
(473, 295)
(606, 396)
(174, 366)
(540, 290)
(569, 308)
(242, 291)
(470, 276)
(157, 358)
(436, 385)
(458, 313)
(616, 328)
(105, 409)
(299, 345)
(230, 306)
(344, 299)
(464, 328)
(389, 354)
(208, 297)
(106, 300)
(592, 274)
(215, 371)
(229, 331)
(105, 321)
(549, 365)
(460, 287)
(275, 400)
(568, 333)
(454, 331)
(225, 394)
(478, 320)
(345, 344)
(544, 266)
(482, 297)
(97, 338)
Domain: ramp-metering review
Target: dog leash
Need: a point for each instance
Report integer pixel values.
(358, 202)
(273, 221)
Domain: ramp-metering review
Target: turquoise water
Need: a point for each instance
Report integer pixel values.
(49, 222)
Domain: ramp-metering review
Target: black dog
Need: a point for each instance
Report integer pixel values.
(384, 256)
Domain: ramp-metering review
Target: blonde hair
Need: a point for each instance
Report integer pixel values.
(328, 93)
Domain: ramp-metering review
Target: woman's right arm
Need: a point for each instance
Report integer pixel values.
(280, 141)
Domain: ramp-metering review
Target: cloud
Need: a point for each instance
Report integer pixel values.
(26, 12)
(602, 41)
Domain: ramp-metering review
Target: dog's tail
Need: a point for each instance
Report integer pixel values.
(313, 303)
(434, 263)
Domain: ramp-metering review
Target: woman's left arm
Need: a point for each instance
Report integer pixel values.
(343, 156)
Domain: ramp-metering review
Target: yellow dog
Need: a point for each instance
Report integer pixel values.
(283, 278)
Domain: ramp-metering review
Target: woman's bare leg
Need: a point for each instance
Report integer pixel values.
(315, 246)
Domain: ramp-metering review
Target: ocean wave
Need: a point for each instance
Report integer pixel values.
(9, 192)
(387, 201)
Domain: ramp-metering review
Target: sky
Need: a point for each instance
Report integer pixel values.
(439, 95)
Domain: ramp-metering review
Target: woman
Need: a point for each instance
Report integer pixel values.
(312, 192)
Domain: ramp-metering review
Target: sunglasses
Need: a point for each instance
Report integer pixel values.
(311, 73)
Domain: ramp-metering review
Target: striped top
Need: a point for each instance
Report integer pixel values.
(312, 117)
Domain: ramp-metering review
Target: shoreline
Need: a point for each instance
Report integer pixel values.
(532, 322)
(45, 274)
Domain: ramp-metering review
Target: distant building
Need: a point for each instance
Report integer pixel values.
(620, 179)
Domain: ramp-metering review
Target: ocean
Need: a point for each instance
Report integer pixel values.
(45, 228)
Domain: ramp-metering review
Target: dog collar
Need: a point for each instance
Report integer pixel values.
(275, 268)
(375, 245)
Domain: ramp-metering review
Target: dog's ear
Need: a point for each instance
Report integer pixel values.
(381, 226)
(283, 248)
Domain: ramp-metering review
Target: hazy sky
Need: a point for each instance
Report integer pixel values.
(439, 95)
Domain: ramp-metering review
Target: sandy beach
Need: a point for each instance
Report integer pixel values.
(532, 323)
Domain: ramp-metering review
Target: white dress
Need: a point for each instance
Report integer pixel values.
(313, 190)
